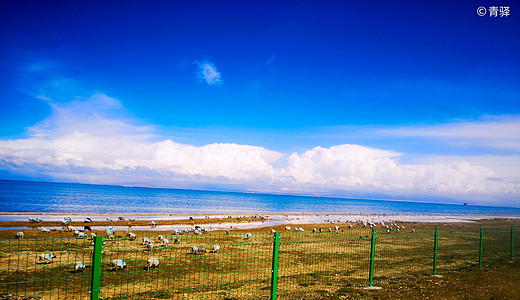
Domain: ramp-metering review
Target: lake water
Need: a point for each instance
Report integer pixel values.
(32, 197)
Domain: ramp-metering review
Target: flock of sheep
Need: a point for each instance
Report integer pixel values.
(153, 262)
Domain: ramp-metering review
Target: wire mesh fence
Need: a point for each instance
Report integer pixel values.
(286, 265)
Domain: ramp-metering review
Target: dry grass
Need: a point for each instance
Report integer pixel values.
(311, 264)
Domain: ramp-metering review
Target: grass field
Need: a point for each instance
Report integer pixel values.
(311, 265)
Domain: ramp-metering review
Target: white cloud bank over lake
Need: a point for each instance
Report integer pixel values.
(94, 140)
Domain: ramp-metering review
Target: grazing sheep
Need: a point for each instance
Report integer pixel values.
(117, 264)
(46, 258)
(153, 224)
(121, 219)
(215, 249)
(82, 235)
(67, 219)
(131, 219)
(166, 242)
(18, 235)
(413, 230)
(149, 246)
(45, 230)
(93, 235)
(248, 236)
(194, 250)
(321, 229)
(314, 230)
(110, 231)
(146, 240)
(287, 228)
(132, 236)
(88, 220)
(330, 229)
(79, 267)
(152, 263)
(160, 238)
(177, 240)
(35, 220)
(273, 231)
(70, 228)
(109, 219)
(87, 228)
(336, 228)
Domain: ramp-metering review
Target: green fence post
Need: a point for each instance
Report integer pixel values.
(96, 268)
(480, 248)
(372, 255)
(274, 270)
(511, 250)
(435, 244)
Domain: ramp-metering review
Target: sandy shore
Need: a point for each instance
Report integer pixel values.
(220, 221)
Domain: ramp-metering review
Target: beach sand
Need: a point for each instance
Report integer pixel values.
(167, 223)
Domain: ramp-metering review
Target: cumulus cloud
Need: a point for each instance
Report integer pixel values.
(94, 140)
(354, 167)
(208, 72)
(81, 135)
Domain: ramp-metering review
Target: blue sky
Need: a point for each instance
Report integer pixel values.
(371, 98)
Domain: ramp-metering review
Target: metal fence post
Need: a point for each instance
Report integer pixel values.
(435, 244)
(274, 270)
(372, 255)
(96, 268)
(511, 250)
(480, 248)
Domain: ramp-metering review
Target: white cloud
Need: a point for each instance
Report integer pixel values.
(94, 140)
(354, 167)
(208, 72)
(492, 132)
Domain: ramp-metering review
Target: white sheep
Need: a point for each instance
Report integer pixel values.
(166, 242)
(46, 258)
(153, 224)
(273, 231)
(314, 230)
(287, 228)
(194, 249)
(67, 219)
(93, 235)
(118, 264)
(321, 229)
(149, 246)
(45, 230)
(64, 223)
(109, 219)
(88, 220)
(216, 248)
(152, 263)
(248, 236)
(132, 236)
(79, 267)
(160, 238)
(336, 228)
(413, 230)
(146, 240)
(18, 235)
(35, 220)
(82, 235)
